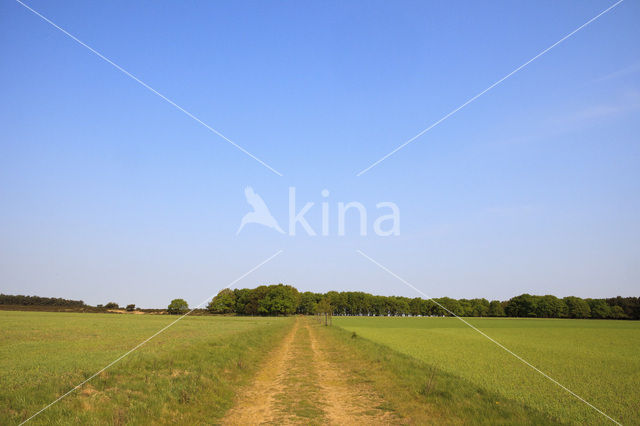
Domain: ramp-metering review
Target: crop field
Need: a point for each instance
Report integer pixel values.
(294, 370)
(598, 360)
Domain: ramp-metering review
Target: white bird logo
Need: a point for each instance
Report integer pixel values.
(260, 213)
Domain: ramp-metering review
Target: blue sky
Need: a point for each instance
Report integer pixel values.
(107, 192)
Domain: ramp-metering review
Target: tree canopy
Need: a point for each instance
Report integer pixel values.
(178, 307)
(223, 303)
(283, 299)
(7, 299)
(276, 299)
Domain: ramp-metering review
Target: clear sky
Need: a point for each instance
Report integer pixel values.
(107, 192)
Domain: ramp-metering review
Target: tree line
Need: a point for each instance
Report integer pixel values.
(287, 300)
(280, 299)
(8, 299)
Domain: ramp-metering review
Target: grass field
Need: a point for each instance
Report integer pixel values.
(186, 374)
(227, 370)
(598, 360)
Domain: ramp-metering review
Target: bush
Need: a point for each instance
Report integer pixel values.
(111, 305)
(131, 307)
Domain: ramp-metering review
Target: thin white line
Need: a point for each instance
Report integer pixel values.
(149, 338)
(488, 337)
(488, 88)
(118, 67)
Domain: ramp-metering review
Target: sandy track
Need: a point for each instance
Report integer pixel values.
(256, 404)
(348, 402)
(302, 384)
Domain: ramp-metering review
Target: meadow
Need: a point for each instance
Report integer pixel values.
(185, 375)
(212, 369)
(598, 360)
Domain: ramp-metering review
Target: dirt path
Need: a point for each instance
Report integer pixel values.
(302, 384)
(256, 404)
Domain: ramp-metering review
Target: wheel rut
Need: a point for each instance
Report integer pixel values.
(302, 384)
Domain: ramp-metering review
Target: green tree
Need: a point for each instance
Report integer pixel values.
(416, 306)
(255, 298)
(338, 302)
(378, 306)
(131, 307)
(449, 306)
(279, 300)
(465, 309)
(242, 297)
(524, 305)
(308, 303)
(550, 307)
(325, 309)
(223, 303)
(479, 307)
(398, 305)
(630, 306)
(618, 313)
(599, 308)
(495, 309)
(357, 303)
(577, 307)
(428, 308)
(324, 306)
(178, 307)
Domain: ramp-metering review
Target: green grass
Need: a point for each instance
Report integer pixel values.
(418, 393)
(186, 374)
(301, 396)
(428, 370)
(598, 360)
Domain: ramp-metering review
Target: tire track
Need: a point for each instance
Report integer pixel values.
(256, 404)
(300, 384)
(346, 403)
